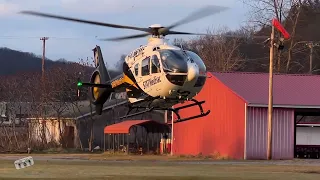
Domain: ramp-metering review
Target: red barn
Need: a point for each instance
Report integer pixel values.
(237, 124)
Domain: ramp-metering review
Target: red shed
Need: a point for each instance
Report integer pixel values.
(237, 124)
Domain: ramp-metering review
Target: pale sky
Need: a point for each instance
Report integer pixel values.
(72, 40)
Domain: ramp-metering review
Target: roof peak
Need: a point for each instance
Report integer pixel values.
(289, 89)
(260, 73)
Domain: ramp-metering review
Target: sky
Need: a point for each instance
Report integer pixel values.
(71, 41)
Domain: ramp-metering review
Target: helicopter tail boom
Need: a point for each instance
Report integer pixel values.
(105, 86)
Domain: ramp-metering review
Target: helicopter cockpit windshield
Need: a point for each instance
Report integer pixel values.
(173, 61)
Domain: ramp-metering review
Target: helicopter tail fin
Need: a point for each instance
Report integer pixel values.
(100, 65)
(101, 88)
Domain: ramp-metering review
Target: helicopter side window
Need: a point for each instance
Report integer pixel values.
(155, 64)
(136, 69)
(145, 68)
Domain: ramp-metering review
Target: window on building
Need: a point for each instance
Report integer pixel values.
(145, 67)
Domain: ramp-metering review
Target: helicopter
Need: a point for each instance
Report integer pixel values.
(156, 76)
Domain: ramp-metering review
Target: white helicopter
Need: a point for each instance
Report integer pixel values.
(156, 76)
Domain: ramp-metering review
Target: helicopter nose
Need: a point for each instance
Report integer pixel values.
(193, 72)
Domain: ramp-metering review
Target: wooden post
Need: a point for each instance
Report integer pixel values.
(147, 142)
(104, 142)
(166, 116)
(270, 105)
(113, 142)
(123, 141)
(171, 152)
(128, 143)
(118, 141)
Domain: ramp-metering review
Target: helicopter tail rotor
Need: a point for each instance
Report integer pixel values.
(100, 76)
(100, 86)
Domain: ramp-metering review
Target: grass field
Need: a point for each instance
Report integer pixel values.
(148, 168)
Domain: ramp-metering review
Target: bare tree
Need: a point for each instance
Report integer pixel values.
(90, 120)
(287, 12)
(293, 20)
(262, 11)
(219, 53)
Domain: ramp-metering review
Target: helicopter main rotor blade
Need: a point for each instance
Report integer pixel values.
(217, 35)
(183, 33)
(238, 36)
(199, 14)
(126, 37)
(146, 34)
(84, 21)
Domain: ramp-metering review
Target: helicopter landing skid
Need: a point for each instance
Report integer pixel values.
(174, 110)
(195, 103)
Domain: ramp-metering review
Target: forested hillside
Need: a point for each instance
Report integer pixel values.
(20, 77)
(13, 62)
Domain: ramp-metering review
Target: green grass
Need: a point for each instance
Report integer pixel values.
(63, 170)
(119, 156)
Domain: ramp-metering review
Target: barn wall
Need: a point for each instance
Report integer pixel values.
(52, 131)
(257, 133)
(222, 131)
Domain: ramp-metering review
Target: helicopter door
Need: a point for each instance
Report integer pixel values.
(155, 69)
(145, 74)
(155, 65)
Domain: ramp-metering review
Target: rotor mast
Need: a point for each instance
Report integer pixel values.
(155, 31)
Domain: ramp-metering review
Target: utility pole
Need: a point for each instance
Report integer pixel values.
(279, 45)
(43, 39)
(270, 105)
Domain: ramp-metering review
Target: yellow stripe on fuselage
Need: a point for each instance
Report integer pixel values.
(123, 80)
(129, 81)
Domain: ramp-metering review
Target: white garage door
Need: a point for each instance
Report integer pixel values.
(308, 136)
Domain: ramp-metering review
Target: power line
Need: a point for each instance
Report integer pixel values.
(51, 37)
(267, 57)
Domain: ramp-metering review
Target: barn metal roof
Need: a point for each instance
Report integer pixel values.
(124, 127)
(289, 90)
